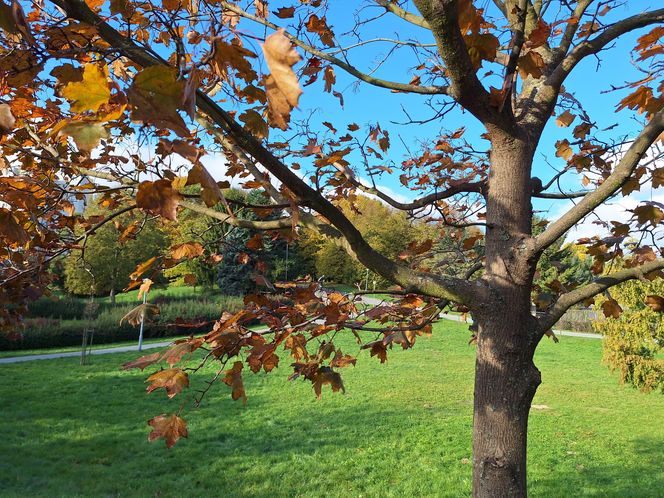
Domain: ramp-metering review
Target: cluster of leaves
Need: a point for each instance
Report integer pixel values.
(303, 331)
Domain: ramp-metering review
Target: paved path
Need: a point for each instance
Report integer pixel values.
(70, 354)
(457, 318)
(127, 349)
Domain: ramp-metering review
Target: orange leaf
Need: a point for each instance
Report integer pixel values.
(144, 288)
(611, 308)
(171, 379)
(319, 26)
(159, 198)
(565, 119)
(170, 427)
(143, 361)
(233, 378)
(188, 250)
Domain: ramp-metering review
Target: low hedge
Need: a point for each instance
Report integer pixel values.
(48, 332)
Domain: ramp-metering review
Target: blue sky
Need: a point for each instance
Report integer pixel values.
(369, 105)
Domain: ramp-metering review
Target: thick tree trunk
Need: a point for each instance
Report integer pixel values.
(505, 377)
(505, 382)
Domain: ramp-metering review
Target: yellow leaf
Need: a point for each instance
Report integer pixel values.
(91, 92)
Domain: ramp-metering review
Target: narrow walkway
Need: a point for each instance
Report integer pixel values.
(569, 333)
(71, 354)
(127, 349)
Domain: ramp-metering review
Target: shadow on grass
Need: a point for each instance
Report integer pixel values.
(295, 446)
(642, 477)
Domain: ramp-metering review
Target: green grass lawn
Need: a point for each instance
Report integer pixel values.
(402, 429)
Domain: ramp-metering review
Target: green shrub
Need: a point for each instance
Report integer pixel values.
(634, 342)
(64, 324)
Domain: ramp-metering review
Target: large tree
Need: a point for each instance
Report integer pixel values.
(103, 96)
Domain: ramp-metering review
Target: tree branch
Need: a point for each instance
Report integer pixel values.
(549, 91)
(392, 85)
(466, 187)
(466, 88)
(609, 187)
(423, 283)
(572, 27)
(569, 299)
(392, 6)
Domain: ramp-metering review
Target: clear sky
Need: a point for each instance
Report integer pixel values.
(365, 104)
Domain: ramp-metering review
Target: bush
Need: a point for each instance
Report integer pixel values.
(65, 324)
(634, 342)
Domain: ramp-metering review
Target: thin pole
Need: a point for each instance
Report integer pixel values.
(286, 279)
(140, 333)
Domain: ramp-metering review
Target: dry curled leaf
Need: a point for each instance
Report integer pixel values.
(282, 87)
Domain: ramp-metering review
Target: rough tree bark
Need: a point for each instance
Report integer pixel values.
(505, 377)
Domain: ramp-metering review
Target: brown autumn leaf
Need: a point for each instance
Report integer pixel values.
(285, 12)
(158, 197)
(329, 78)
(539, 36)
(564, 150)
(180, 348)
(10, 231)
(210, 191)
(142, 312)
(565, 119)
(648, 213)
(255, 124)
(143, 361)
(319, 26)
(188, 250)
(155, 96)
(531, 65)
(261, 8)
(326, 375)
(233, 56)
(174, 380)
(233, 378)
(611, 308)
(170, 427)
(7, 120)
(282, 87)
(655, 303)
(481, 47)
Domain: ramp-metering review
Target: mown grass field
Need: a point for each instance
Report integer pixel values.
(402, 429)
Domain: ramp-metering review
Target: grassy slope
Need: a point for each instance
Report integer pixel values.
(402, 429)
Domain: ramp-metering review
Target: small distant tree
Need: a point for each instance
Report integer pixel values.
(108, 258)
